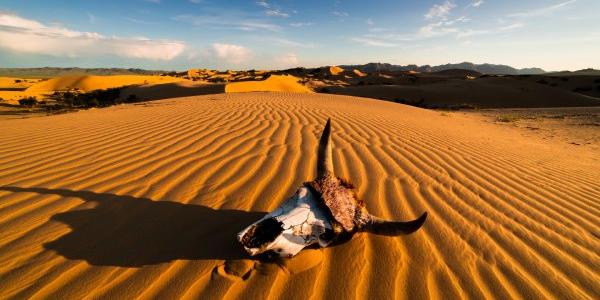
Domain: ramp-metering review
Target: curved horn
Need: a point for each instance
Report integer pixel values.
(379, 226)
(325, 156)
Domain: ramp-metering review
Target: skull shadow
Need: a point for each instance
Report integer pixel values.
(127, 231)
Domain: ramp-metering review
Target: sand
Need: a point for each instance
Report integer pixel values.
(11, 88)
(84, 83)
(358, 73)
(275, 83)
(143, 200)
(335, 70)
(89, 83)
(491, 92)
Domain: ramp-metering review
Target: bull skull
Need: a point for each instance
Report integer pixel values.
(322, 211)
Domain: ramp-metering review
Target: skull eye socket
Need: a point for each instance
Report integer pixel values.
(261, 233)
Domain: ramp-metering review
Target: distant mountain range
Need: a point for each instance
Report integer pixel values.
(481, 68)
(48, 72)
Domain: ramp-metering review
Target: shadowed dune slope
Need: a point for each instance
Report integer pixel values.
(172, 90)
(481, 93)
(144, 201)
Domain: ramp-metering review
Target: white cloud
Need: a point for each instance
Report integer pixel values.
(287, 43)
(511, 26)
(137, 21)
(29, 36)
(436, 29)
(232, 23)
(457, 20)
(472, 32)
(288, 60)
(264, 4)
(440, 11)
(301, 24)
(276, 13)
(379, 29)
(541, 11)
(233, 54)
(477, 3)
(370, 22)
(367, 41)
(340, 14)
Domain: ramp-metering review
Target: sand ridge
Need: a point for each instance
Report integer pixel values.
(143, 201)
(89, 83)
(83, 83)
(275, 83)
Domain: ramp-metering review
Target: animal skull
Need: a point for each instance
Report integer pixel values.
(322, 211)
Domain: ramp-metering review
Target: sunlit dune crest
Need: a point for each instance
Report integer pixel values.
(89, 83)
(275, 83)
(335, 70)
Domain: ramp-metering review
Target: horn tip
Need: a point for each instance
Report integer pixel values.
(422, 219)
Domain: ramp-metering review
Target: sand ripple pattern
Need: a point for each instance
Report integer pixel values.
(142, 201)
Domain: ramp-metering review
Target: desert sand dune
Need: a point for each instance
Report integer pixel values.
(84, 83)
(335, 70)
(493, 92)
(358, 73)
(89, 83)
(143, 201)
(172, 90)
(275, 83)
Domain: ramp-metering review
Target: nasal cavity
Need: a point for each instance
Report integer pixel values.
(261, 233)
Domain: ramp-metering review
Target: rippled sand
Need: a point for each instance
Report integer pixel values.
(144, 201)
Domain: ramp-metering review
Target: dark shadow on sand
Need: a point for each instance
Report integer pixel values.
(172, 90)
(127, 231)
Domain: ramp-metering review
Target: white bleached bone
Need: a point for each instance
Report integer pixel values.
(322, 211)
(303, 223)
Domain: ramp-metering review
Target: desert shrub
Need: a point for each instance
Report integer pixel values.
(18, 80)
(131, 98)
(28, 101)
(92, 102)
(542, 81)
(564, 78)
(461, 106)
(597, 80)
(582, 89)
(99, 98)
(402, 100)
(553, 84)
(507, 118)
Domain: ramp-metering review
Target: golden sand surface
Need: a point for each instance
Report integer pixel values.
(335, 70)
(16, 82)
(84, 83)
(275, 83)
(144, 201)
(89, 83)
(11, 88)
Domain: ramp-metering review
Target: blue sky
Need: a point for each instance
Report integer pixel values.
(181, 34)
